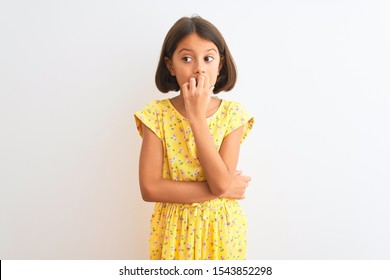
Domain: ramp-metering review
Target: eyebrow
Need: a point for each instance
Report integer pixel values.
(189, 50)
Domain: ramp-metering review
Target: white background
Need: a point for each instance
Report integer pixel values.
(314, 74)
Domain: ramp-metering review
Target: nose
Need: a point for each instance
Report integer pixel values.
(199, 67)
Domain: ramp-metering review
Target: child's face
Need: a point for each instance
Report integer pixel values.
(193, 57)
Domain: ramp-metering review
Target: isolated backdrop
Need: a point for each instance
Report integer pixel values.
(314, 74)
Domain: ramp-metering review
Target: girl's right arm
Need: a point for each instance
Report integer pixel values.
(156, 189)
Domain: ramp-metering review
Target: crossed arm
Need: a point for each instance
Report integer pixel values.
(222, 178)
(219, 167)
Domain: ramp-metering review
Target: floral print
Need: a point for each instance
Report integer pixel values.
(214, 229)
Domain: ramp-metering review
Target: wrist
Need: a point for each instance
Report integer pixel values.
(196, 121)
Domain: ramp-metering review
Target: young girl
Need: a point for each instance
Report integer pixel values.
(190, 149)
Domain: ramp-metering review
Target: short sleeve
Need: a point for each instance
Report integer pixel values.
(238, 116)
(150, 115)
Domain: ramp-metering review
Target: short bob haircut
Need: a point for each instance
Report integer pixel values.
(226, 80)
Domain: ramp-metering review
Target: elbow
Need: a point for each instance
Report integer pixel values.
(218, 193)
(218, 189)
(146, 197)
(146, 192)
(220, 186)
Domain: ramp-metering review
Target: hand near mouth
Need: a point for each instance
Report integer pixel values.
(196, 95)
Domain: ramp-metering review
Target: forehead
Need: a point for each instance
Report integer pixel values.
(196, 44)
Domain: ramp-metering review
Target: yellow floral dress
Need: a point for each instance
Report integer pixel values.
(214, 229)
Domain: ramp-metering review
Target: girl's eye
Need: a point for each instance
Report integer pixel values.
(208, 58)
(187, 59)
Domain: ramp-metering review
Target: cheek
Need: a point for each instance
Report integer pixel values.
(214, 75)
(183, 76)
(182, 79)
(183, 70)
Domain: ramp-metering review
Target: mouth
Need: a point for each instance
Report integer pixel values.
(196, 80)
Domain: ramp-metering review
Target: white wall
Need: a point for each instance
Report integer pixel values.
(315, 74)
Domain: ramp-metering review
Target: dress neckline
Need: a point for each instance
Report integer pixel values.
(209, 117)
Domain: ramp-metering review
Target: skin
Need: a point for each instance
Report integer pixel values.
(195, 64)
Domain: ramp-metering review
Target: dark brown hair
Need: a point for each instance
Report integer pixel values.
(226, 79)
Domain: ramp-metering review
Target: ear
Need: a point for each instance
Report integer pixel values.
(169, 65)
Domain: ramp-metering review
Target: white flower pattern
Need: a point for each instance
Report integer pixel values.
(214, 229)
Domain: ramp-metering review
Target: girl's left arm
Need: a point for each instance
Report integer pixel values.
(219, 167)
